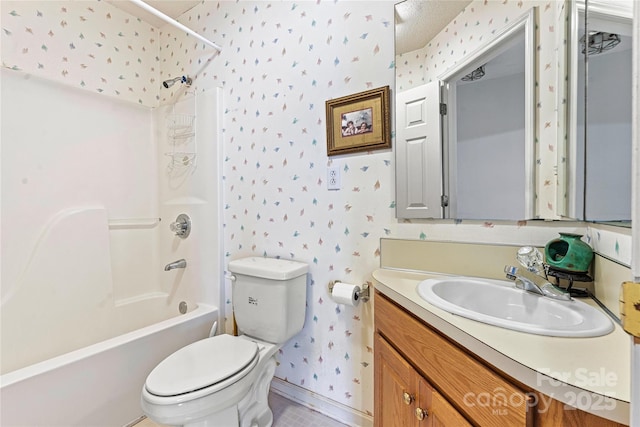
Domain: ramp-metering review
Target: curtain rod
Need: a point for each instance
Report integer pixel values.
(175, 23)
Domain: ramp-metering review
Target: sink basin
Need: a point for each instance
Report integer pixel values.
(500, 303)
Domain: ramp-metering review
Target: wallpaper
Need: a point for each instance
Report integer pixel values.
(86, 44)
(410, 69)
(280, 62)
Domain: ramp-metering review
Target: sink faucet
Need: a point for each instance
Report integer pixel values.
(534, 283)
(181, 263)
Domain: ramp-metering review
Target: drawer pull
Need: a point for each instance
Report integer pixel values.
(421, 414)
(407, 398)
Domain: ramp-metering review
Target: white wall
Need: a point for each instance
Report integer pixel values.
(65, 148)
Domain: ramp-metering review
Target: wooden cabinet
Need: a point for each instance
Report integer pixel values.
(405, 398)
(444, 414)
(397, 387)
(418, 369)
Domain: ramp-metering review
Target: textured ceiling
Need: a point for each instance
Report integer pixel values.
(418, 21)
(172, 8)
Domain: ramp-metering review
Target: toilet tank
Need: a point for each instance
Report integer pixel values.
(269, 297)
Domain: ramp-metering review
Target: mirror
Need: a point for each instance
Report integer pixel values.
(489, 136)
(595, 167)
(484, 168)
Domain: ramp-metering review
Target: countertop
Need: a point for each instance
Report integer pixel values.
(591, 374)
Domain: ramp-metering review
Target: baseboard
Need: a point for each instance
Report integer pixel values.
(328, 407)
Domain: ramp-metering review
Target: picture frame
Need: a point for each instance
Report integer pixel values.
(359, 122)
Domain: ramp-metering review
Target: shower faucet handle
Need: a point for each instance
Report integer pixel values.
(178, 227)
(181, 226)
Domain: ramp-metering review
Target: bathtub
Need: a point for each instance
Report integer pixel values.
(98, 385)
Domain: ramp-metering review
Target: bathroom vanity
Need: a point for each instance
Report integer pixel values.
(434, 368)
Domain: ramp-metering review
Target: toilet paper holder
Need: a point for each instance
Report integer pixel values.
(363, 295)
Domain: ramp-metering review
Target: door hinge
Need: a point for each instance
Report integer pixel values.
(444, 200)
(443, 109)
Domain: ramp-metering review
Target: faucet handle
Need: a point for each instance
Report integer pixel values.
(531, 259)
(178, 227)
(181, 226)
(511, 272)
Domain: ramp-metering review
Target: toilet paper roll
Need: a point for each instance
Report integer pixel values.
(346, 293)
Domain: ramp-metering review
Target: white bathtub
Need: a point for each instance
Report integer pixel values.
(98, 385)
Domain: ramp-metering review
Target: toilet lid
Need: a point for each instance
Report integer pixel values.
(201, 364)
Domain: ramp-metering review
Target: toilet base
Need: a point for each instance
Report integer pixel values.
(254, 408)
(226, 417)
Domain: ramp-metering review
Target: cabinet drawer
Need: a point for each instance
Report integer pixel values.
(477, 391)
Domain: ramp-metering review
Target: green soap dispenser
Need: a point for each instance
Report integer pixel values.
(569, 253)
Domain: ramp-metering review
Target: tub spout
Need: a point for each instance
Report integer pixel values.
(181, 263)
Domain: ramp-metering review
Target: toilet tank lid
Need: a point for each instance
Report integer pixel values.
(268, 268)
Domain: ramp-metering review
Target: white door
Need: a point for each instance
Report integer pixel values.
(418, 153)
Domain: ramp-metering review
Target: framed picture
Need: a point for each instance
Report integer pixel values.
(359, 122)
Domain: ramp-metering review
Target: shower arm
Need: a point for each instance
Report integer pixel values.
(175, 23)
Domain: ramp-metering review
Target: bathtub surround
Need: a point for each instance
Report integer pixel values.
(90, 164)
(86, 185)
(99, 237)
(280, 62)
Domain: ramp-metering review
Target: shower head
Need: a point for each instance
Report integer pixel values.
(168, 83)
(182, 79)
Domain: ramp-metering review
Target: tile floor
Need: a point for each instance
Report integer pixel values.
(285, 414)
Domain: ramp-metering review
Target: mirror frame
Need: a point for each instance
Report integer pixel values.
(568, 123)
(525, 24)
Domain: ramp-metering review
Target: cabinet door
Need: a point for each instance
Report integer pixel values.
(445, 415)
(404, 398)
(396, 387)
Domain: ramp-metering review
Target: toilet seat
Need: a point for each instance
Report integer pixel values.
(202, 368)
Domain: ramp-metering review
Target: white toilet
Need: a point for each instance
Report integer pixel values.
(224, 380)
